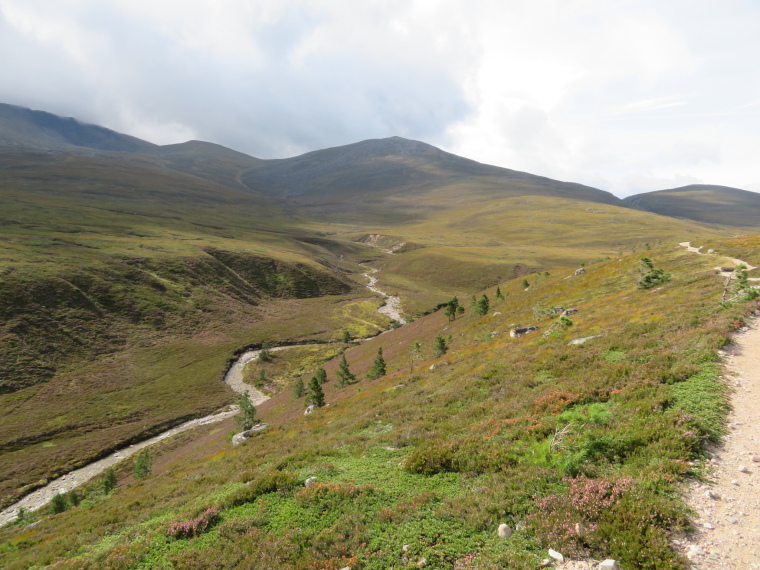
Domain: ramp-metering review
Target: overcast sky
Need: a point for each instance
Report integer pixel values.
(628, 96)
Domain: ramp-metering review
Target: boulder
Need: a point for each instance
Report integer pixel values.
(310, 481)
(569, 312)
(711, 251)
(239, 438)
(609, 564)
(556, 555)
(309, 409)
(580, 271)
(521, 331)
(504, 531)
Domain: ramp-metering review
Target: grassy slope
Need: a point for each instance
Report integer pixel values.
(470, 239)
(124, 291)
(508, 430)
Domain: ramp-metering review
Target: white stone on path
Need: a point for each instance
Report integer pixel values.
(556, 555)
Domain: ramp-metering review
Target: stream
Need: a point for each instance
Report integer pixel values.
(234, 378)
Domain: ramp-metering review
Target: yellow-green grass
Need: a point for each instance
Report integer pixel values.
(284, 367)
(438, 458)
(471, 238)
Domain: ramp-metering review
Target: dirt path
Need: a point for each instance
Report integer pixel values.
(233, 377)
(728, 508)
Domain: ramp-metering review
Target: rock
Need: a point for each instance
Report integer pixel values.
(569, 311)
(521, 331)
(712, 495)
(405, 548)
(310, 481)
(239, 438)
(309, 410)
(708, 526)
(727, 269)
(504, 531)
(580, 271)
(756, 458)
(556, 555)
(580, 340)
(693, 551)
(710, 251)
(422, 562)
(734, 482)
(497, 313)
(580, 529)
(520, 525)
(346, 568)
(546, 562)
(732, 520)
(743, 469)
(609, 564)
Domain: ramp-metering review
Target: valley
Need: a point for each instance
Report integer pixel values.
(134, 276)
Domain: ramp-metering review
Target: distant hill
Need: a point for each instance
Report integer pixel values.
(391, 167)
(24, 128)
(703, 203)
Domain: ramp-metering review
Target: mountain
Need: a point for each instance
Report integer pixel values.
(24, 128)
(379, 169)
(703, 203)
(132, 275)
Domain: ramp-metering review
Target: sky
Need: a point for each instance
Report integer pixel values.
(627, 96)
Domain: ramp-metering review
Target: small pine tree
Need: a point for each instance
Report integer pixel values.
(248, 411)
(473, 302)
(525, 283)
(58, 503)
(460, 310)
(109, 481)
(416, 352)
(498, 294)
(345, 336)
(651, 277)
(262, 377)
(22, 515)
(264, 353)
(440, 347)
(452, 308)
(298, 388)
(74, 498)
(345, 376)
(316, 394)
(378, 366)
(321, 375)
(483, 305)
(143, 464)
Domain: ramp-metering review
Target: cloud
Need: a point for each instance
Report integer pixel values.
(624, 96)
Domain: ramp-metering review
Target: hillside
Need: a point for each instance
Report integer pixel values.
(24, 128)
(132, 273)
(424, 463)
(703, 203)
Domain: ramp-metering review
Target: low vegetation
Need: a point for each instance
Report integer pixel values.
(577, 447)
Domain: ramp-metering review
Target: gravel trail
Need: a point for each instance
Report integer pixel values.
(728, 507)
